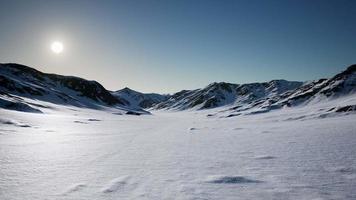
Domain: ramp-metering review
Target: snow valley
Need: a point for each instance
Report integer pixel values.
(64, 137)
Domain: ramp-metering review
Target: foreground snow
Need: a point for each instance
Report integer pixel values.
(88, 154)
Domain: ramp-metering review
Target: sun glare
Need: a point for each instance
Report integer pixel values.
(57, 47)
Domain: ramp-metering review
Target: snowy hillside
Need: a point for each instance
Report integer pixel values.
(226, 94)
(215, 94)
(138, 99)
(25, 89)
(231, 100)
(340, 85)
(314, 92)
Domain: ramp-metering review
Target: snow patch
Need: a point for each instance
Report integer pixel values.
(74, 188)
(115, 184)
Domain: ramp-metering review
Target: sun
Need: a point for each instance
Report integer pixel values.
(57, 47)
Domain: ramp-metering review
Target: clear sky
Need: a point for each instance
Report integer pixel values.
(166, 46)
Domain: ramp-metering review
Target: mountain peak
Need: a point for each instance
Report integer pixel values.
(138, 99)
(350, 70)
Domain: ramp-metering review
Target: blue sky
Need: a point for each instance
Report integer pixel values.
(166, 46)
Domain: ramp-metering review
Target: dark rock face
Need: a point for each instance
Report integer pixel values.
(89, 89)
(349, 108)
(12, 86)
(18, 106)
(132, 113)
(349, 71)
(147, 103)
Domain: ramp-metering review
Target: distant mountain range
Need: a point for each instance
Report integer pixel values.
(19, 84)
(341, 85)
(222, 94)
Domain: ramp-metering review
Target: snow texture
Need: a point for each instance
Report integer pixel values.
(292, 153)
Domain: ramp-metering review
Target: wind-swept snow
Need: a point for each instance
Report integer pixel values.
(292, 153)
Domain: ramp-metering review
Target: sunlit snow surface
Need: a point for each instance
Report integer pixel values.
(88, 154)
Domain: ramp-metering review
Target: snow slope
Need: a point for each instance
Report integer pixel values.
(290, 153)
(342, 85)
(226, 94)
(25, 89)
(262, 97)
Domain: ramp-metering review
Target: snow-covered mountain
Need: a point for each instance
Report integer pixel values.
(25, 89)
(341, 84)
(236, 99)
(138, 99)
(226, 94)
(313, 92)
(215, 94)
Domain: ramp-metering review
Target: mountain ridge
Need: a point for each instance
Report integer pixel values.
(20, 81)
